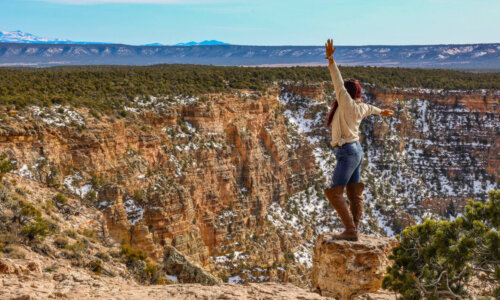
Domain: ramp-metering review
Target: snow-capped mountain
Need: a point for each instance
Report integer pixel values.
(204, 43)
(19, 36)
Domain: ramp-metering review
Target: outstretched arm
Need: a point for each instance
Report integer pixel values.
(373, 110)
(343, 97)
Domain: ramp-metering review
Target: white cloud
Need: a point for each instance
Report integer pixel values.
(83, 2)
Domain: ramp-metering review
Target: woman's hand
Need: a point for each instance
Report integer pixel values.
(387, 113)
(329, 50)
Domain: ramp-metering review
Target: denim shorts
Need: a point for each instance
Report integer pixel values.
(348, 168)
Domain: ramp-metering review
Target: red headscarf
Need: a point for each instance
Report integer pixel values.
(354, 91)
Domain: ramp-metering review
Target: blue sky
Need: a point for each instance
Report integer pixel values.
(258, 22)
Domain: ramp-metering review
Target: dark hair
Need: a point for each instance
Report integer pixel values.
(353, 88)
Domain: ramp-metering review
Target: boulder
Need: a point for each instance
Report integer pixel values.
(345, 269)
(176, 264)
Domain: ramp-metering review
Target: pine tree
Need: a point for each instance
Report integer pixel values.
(436, 259)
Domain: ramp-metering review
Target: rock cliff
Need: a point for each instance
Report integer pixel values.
(196, 174)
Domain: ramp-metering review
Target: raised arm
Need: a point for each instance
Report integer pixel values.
(343, 97)
(338, 83)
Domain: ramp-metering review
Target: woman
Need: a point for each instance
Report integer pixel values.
(345, 117)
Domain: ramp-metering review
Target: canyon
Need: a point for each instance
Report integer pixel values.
(234, 181)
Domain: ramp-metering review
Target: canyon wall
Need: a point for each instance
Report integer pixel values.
(195, 174)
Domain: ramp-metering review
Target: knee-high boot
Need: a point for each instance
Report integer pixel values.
(355, 195)
(336, 197)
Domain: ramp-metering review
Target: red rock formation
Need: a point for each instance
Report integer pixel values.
(190, 175)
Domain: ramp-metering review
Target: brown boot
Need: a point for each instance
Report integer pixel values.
(336, 197)
(355, 195)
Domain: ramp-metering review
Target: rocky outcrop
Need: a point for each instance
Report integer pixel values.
(177, 265)
(310, 91)
(8, 266)
(345, 269)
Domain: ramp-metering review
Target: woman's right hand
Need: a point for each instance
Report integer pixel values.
(329, 50)
(387, 113)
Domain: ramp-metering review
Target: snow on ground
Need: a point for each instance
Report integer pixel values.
(135, 213)
(57, 115)
(234, 279)
(25, 172)
(173, 278)
(74, 185)
(158, 104)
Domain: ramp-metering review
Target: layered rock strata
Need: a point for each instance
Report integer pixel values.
(194, 173)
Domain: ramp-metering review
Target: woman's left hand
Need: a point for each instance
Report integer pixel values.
(329, 49)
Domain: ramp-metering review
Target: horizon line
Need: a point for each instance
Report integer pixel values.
(245, 45)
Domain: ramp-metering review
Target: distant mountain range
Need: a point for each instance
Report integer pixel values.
(204, 43)
(39, 52)
(19, 36)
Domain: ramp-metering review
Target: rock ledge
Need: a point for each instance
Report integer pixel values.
(344, 269)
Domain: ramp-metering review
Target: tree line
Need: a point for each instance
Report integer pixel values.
(106, 87)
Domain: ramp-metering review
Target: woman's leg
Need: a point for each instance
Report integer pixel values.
(354, 190)
(355, 177)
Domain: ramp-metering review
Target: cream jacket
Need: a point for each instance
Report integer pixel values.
(349, 113)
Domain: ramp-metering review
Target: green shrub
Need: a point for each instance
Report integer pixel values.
(132, 255)
(97, 181)
(25, 212)
(103, 256)
(95, 266)
(437, 259)
(5, 165)
(145, 272)
(139, 196)
(59, 200)
(48, 206)
(36, 230)
(91, 197)
(151, 274)
(77, 247)
(90, 233)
